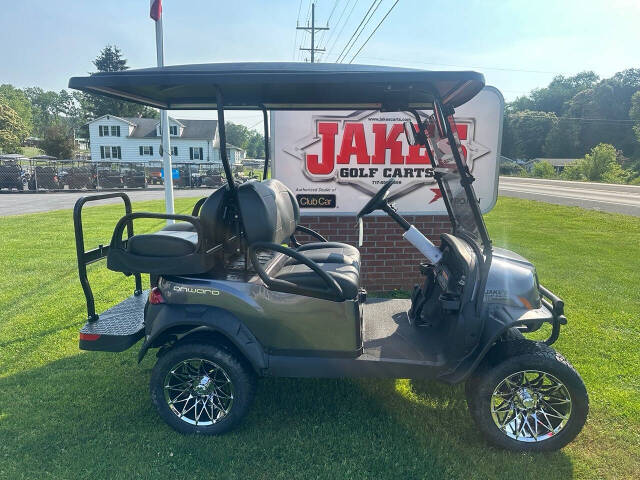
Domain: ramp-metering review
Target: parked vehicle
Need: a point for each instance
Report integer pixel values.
(154, 176)
(109, 178)
(44, 177)
(76, 176)
(234, 295)
(134, 178)
(11, 175)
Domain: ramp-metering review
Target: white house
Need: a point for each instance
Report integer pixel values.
(128, 139)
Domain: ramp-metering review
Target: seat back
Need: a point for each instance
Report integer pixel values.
(267, 210)
(215, 227)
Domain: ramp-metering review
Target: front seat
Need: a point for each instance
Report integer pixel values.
(269, 219)
(319, 252)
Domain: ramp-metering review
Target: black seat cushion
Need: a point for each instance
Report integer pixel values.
(179, 227)
(329, 252)
(347, 276)
(165, 243)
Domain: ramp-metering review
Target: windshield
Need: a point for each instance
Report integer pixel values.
(463, 216)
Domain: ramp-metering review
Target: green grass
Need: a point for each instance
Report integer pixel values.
(71, 414)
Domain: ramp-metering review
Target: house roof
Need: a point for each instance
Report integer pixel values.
(111, 116)
(193, 129)
(280, 86)
(233, 147)
(556, 162)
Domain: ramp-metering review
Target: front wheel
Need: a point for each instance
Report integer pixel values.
(201, 388)
(532, 400)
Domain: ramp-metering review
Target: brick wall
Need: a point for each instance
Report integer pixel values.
(388, 261)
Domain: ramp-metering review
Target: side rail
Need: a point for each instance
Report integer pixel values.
(87, 257)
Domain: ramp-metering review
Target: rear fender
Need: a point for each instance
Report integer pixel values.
(184, 320)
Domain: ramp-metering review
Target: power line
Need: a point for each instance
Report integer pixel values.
(374, 31)
(343, 25)
(323, 33)
(542, 115)
(295, 39)
(357, 30)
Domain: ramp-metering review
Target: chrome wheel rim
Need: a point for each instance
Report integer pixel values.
(531, 406)
(198, 391)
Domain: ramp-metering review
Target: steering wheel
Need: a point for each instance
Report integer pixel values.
(375, 201)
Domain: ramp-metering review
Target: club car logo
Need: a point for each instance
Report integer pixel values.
(366, 149)
(202, 291)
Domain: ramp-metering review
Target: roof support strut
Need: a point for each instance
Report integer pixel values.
(223, 140)
(265, 121)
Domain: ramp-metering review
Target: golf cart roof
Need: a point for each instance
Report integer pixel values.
(284, 86)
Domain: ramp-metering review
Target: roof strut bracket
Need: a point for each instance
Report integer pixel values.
(223, 140)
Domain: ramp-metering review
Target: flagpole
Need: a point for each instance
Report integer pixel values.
(164, 126)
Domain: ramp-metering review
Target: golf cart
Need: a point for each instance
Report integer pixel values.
(234, 295)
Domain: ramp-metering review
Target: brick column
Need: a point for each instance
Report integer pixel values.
(389, 262)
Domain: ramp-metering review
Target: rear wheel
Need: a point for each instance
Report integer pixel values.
(532, 400)
(201, 388)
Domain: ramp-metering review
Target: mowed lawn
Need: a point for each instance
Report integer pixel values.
(71, 414)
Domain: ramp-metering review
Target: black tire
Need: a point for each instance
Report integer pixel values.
(510, 358)
(240, 375)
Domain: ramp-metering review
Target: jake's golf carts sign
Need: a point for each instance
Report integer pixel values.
(335, 160)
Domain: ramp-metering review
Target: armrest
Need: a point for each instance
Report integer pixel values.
(308, 231)
(198, 206)
(283, 285)
(116, 240)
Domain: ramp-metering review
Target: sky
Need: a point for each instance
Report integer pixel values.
(518, 44)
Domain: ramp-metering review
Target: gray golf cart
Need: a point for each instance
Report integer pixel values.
(234, 295)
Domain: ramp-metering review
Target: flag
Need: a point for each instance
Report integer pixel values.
(155, 11)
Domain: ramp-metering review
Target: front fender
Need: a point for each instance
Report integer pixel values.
(163, 318)
(497, 322)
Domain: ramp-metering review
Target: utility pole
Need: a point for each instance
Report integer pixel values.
(313, 30)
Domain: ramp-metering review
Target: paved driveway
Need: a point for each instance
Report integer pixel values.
(18, 203)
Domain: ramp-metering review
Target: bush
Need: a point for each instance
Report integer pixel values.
(573, 171)
(509, 167)
(543, 169)
(597, 162)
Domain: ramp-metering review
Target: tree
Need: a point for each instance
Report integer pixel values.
(13, 130)
(237, 135)
(634, 113)
(555, 96)
(16, 99)
(58, 141)
(110, 59)
(543, 169)
(527, 131)
(573, 171)
(598, 162)
(255, 147)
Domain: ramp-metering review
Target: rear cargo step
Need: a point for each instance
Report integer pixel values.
(117, 328)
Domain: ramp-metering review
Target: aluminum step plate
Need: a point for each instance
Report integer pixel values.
(125, 318)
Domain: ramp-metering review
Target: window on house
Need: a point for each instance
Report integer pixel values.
(146, 150)
(174, 151)
(111, 152)
(196, 153)
(115, 130)
(173, 130)
(103, 130)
